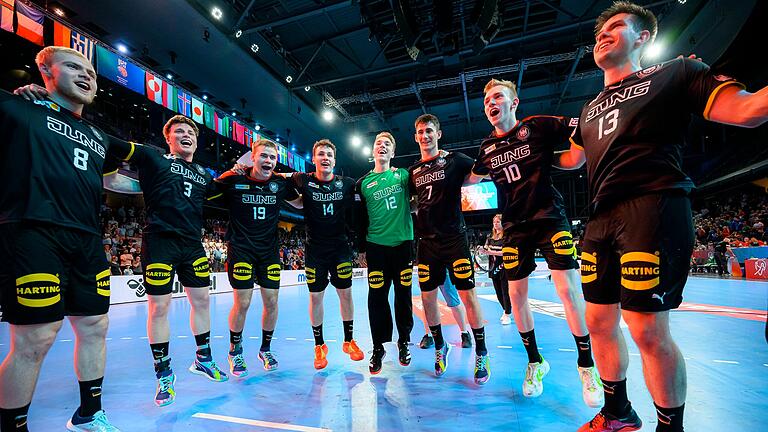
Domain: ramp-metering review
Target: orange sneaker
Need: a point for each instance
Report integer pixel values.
(354, 351)
(320, 352)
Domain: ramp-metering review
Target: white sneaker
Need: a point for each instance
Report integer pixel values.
(98, 423)
(533, 386)
(506, 319)
(591, 387)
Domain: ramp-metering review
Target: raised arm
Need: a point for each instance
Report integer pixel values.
(735, 106)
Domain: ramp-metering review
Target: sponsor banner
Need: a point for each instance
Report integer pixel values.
(127, 289)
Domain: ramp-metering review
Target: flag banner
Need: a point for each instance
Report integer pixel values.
(154, 87)
(183, 103)
(6, 15)
(239, 133)
(282, 154)
(30, 23)
(169, 96)
(248, 137)
(83, 44)
(290, 159)
(62, 35)
(208, 117)
(197, 110)
(120, 70)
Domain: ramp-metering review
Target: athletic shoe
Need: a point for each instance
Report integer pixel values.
(354, 351)
(533, 385)
(591, 387)
(165, 393)
(95, 423)
(604, 422)
(208, 369)
(376, 357)
(482, 369)
(321, 351)
(506, 319)
(441, 359)
(269, 360)
(237, 366)
(427, 341)
(403, 353)
(466, 340)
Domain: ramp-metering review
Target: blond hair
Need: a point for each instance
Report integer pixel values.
(389, 136)
(176, 120)
(263, 142)
(45, 55)
(504, 83)
(325, 142)
(494, 231)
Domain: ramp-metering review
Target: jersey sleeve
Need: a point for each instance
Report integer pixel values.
(575, 138)
(299, 180)
(411, 184)
(361, 217)
(213, 189)
(479, 167)
(121, 149)
(464, 164)
(290, 191)
(702, 86)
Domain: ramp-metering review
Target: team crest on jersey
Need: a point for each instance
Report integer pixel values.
(48, 104)
(371, 184)
(272, 187)
(242, 187)
(96, 133)
(490, 148)
(573, 122)
(523, 133)
(338, 183)
(722, 78)
(200, 169)
(441, 161)
(648, 71)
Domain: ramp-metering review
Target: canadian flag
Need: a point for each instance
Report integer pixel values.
(154, 88)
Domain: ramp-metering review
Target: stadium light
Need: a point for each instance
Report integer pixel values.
(366, 151)
(356, 141)
(217, 13)
(654, 51)
(122, 48)
(328, 115)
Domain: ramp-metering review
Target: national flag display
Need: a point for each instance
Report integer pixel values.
(183, 103)
(197, 110)
(30, 23)
(154, 88)
(120, 70)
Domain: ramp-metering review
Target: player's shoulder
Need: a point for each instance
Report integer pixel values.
(230, 177)
(458, 156)
(542, 119)
(202, 171)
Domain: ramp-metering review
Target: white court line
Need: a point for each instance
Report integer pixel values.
(330, 340)
(290, 338)
(765, 364)
(218, 337)
(726, 361)
(264, 424)
(253, 337)
(66, 340)
(635, 354)
(183, 336)
(109, 339)
(566, 350)
(143, 337)
(126, 338)
(543, 307)
(505, 347)
(309, 340)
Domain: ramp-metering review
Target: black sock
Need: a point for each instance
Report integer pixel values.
(317, 332)
(161, 356)
(437, 334)
(90, 397)
(347, 330)
(584, 348)
(616, 401)
(266, 339)
(203, 341)
(529, 341)
(670, 419)
(14, 419)
(236, 342)
(480, 348)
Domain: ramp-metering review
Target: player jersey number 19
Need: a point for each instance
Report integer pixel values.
(259, 213)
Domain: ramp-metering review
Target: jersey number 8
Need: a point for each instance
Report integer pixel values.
(81, 159)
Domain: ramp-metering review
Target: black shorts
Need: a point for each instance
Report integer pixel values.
(551, 236)
(434, 256)
(57, 272)
(244, 266)
(390, 264)
(165, 255)
(637, 253)
(322, 261)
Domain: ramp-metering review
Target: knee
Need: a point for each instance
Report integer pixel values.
(93, 327)
(270, 304)
(202, 302)
(598, 325)
(159, 309)
(649, 338)
(32, 346)
(243, 303)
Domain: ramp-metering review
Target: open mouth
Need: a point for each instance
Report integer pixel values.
(186, 142)
(494, 111)
(83, 85)
(603, 45)
(382, 152)
(325, 164)
(266, 167)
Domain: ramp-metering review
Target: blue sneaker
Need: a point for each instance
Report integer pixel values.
(165, 393)
(482, 369)
(269, 360)
(237, 366)
(208, 369)
(441, 359)
(95, 423)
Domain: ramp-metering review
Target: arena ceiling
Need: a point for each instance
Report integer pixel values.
(352, 57)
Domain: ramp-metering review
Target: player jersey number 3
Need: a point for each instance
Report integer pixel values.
(608, 123)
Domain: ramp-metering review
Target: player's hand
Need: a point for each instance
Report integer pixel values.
(239, 169)
(361, 259)
(32, 92)
(695, 57)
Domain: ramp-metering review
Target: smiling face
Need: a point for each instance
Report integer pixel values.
(427, 136)
(324, 158)
(618, 41)
(182, 140)
(71, 76)
(264, 160)
(500, 106)
(383, 149)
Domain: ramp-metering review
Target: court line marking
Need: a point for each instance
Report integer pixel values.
(260, 423)
(765, 364)
(566, 350)
(66, 340)
(126, 338)
(726, 361)
(290, 338)
(218, 337)
(504, 347)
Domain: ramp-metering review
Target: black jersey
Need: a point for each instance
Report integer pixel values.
(174, 192)
(520, 162)
(51, 164)
(436, 183)
(633, 132)
(327, 207)
(254, 207)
